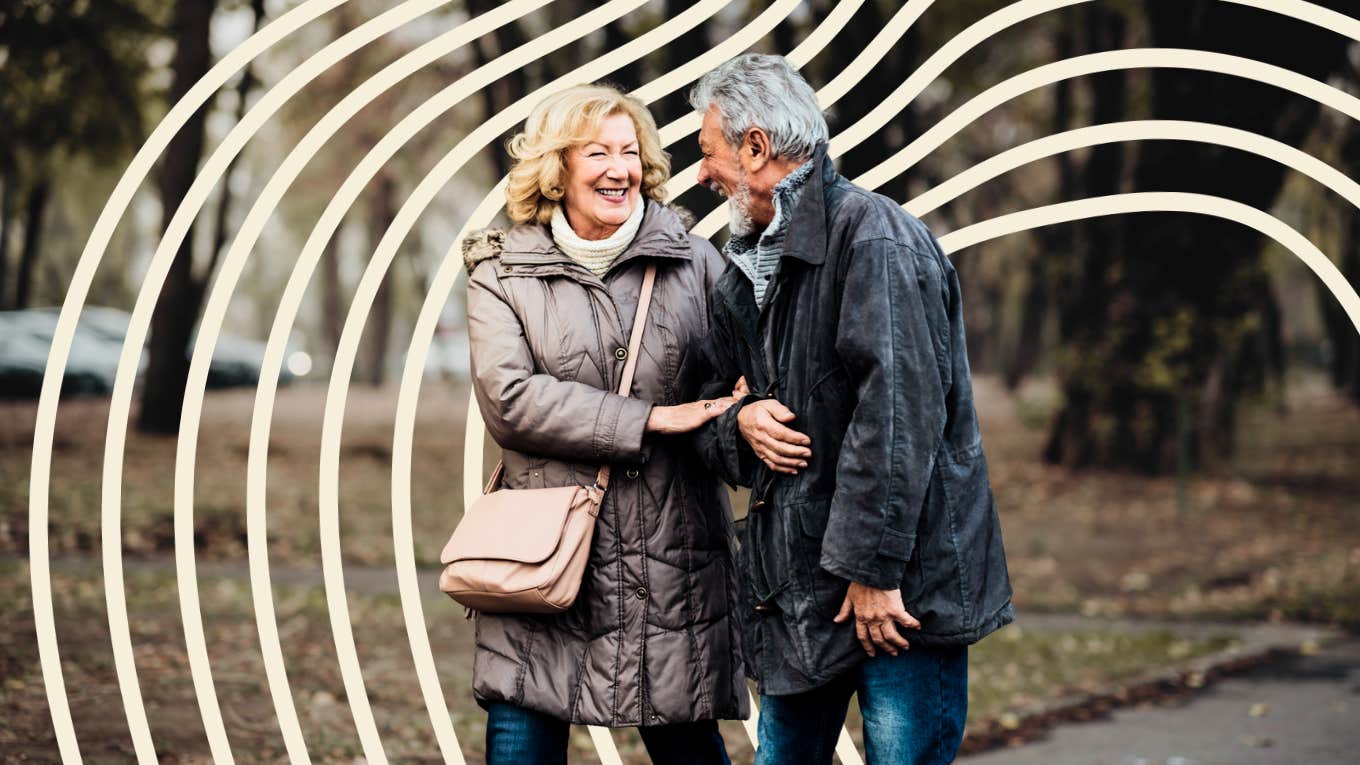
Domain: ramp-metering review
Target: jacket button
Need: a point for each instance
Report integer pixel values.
(641, 593)
(758, 505)
(620, 353)
(632, 473)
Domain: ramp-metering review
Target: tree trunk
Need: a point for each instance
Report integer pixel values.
(180, 300)
(6, 212)
(379, 325)
(1342, 338)
(243, 89)
(38, 197)
(332, 302)
(1056, 241)
(506, 90)
(1082, 290)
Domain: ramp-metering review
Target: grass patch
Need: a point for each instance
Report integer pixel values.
(1012, 669)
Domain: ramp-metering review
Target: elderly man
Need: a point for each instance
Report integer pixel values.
(872, 552)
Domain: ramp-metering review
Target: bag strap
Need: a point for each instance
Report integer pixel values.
(634, 348)
(625, 383)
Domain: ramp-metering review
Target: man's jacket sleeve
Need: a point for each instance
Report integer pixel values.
(719, 441)
(884, 341)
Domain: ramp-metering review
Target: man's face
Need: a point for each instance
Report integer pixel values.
(721, 170)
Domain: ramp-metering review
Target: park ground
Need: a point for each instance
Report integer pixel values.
(1118, 577)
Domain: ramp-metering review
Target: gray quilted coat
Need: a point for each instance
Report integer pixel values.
(651, 638)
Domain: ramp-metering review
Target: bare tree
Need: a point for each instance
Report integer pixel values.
(178, 305)
(378, 330)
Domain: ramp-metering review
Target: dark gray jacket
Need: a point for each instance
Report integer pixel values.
(650, 639)
(863, 338)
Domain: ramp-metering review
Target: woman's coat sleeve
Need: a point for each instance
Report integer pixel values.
(531, 412)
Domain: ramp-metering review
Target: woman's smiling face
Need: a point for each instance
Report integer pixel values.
(604, 179)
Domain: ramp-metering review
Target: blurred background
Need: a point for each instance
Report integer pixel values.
(1170, 402)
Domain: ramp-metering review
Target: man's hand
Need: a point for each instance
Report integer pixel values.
(877, 614)
(784, 450)
(741, 389)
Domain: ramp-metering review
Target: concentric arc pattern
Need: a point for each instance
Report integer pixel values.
(754, 34)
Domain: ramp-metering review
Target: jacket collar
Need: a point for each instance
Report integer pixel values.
(807, 229)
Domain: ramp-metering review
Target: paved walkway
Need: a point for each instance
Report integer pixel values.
(1299, 709)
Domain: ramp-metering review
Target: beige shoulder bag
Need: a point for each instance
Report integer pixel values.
(525, 550)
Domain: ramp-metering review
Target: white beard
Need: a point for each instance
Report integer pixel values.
(738, 210)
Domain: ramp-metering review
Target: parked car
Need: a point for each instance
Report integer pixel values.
(26, 340)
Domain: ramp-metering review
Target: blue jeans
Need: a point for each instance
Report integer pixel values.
(914, 705)
(519, 736)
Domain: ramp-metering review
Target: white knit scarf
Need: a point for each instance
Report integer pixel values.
(595, 254)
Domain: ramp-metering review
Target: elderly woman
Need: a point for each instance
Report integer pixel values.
(650, 640)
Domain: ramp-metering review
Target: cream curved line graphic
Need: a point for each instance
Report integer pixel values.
(1166, 201)
(929, 70)
(1135, 58)
(424, 193)
(215, 309)
(898, 99)
(45, 421)
(982, 30)
(473, 441)
(176, 229)
(811, 45)
(1136, 130)
(829, 94)
(307, 11)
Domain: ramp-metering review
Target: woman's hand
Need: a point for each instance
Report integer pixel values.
(682, 418)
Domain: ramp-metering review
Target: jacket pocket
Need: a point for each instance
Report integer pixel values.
(523, 471)
(825, 590)
(967, 520)
(782, 622)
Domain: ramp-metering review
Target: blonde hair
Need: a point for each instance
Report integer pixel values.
(566, 120)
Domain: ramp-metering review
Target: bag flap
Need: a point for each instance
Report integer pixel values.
(522, 525)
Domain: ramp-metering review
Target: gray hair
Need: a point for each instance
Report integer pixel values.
(758, 90)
